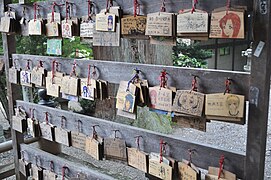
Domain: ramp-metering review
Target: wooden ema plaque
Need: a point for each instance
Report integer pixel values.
(190, 172)
(160, 24)
(222, 106)
(24, 167)
(52, 89)
(196, 22)
(89, 90)
(19, 123)
(49, 175)
(33, 128)
(35, 27)
(25, 78)
(105, 22)
(227, 24)
(160, 98)
(70, 85)
(38, 76)
(137, 159)
(213, 174)
(87, 29)
(14, 75)
(189, 102)
(160, 170)
(131, 25)
(115, 148)
(52, 29)
(47, 131)
(37, 172)
(94, 147)
(78, 140)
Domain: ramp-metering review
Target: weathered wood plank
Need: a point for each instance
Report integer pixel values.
(177, 147)
(259, 94)
(32, 153)
(9, 45)
(210, 81)
(80, 8)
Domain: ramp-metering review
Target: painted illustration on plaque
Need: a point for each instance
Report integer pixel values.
(25, 77)
(233, 103)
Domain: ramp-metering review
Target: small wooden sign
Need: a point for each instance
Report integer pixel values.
(189, 102)
(33, 127)
(225, 105)
(227, 24)
(160, 170)
(5, 24)
(107, 38)
(70, 85)
(89, 90)
(52, 89)
(87, 29)
(25, 78)
(94, 147)
(63, 136)
(19, 123)
(78, 140)
(14, 75)
(49, 175)
(47, 131)
(196, 22)
(37, 172)
(103, 89)
(52, 29)
(137, 159)
(38, 76)
(54, 47)
(133, 25)
(67, 29)
(213, 174)
(35, 27)
(160, 24)
(57, 17)
(160, 98)
(24, 167)
(188, 171)
(115, 148)
(105, 22)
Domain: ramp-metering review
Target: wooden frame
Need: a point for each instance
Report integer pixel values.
(255, 85)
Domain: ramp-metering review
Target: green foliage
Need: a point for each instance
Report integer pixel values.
(35, 45)
(190, 55)
(88, 106)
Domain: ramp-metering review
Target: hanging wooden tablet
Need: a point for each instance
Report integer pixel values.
(49, 175)
(160, 170)
(54, 47)
(227, 24)
(228, 107)
(161, 98)
(67, 28)
(37, 172)
(133, 25)
(89, 89)
(14, 75)
(54, 17)
(192, 24)
(105, 22)
(160, 24)
(19, 121)
(213, 174)
(24, 166)
(137, 159)
(126, 97)
(115, 148)
(47, 129)
(78, 139)
(188, 171)
(87, 27)
(70, 85)
(35, 27)
(62, 135)
(52, 29)
(25, 78)
(53, 89)
(103, 89)
(189, 102)
(38, 76)
(33, 128)
(8, 23)
(94, 147)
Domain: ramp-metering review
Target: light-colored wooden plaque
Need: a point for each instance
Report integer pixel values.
(105, 22)
(137, 159)
(133, 25)
(159, 24)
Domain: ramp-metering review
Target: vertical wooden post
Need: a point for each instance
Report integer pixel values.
(259, 93)
(9, 46)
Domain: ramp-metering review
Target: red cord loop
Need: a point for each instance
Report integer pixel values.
(221, 164)
(163, 6)
(227, 84)
(163, 79)
(73, 71)
(162, 149)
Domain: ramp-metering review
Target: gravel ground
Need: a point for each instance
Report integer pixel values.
(232, 138)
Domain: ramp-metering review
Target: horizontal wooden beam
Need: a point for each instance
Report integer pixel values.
(177, 147)
(210, 81)
(80, 7)
(31, 153)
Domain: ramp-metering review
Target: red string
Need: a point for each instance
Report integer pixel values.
(227, 84)
(88, 82)
(67, 11)
(221, 163)
(135, 8)
(35, 11)
(194, 84)
(163, 79)
(163, 6)
(73, 72)
(53, 12)
(46, 117)
(52, 166)
(194, 6)
(53, 70)
(228, 5)
(32, 113)
(109, 3)
(162, 149)
(28, 65)
(89, 8)
(94, 133)
(63, 172)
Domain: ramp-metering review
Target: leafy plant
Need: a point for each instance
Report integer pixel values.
(191, 55)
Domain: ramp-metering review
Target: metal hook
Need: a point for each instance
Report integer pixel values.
(115, 131)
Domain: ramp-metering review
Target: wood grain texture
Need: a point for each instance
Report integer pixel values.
(177, 147)
(210, 81)
(44, 159)
(80, 8)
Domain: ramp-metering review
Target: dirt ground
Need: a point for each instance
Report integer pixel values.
(224, 135)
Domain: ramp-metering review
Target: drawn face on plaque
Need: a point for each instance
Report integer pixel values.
(153, 97)
(128, 104)
(233, 103)
(188, 101)
(230, 25)
(110, 23)
(25, 77)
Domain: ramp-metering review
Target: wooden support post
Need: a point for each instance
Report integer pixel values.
(259, 93)
(9, 46)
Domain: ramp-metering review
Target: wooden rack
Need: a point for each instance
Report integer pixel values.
(255, 86)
